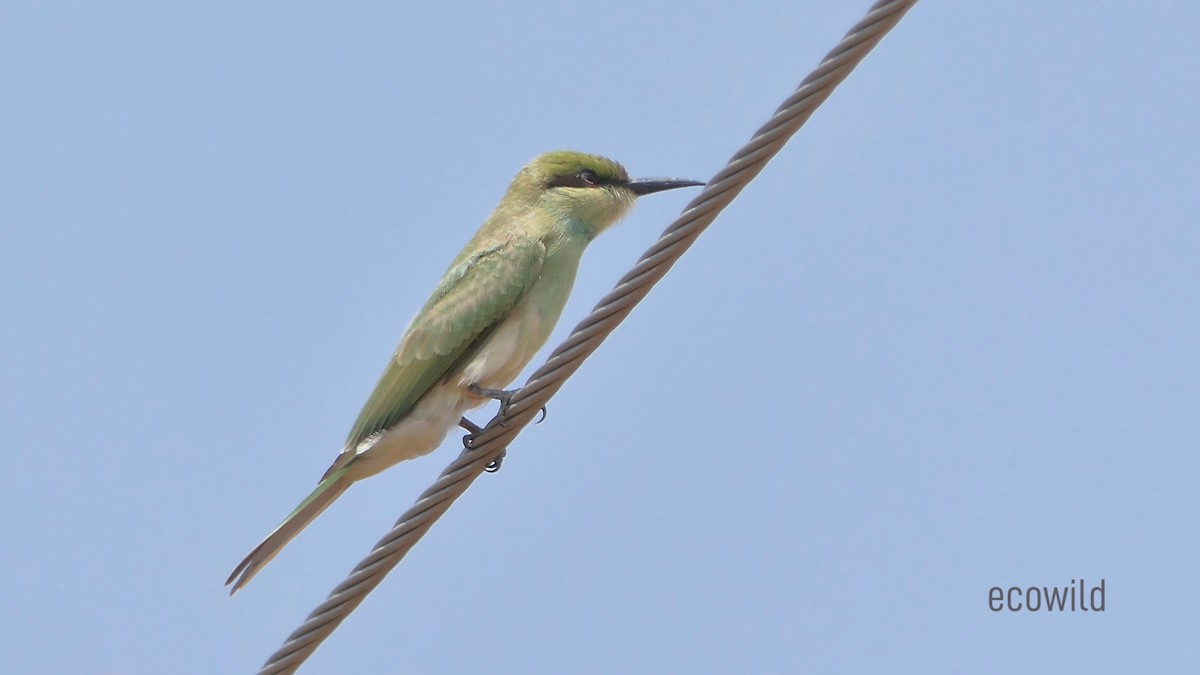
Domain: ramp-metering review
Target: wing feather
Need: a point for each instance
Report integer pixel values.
(470, 301)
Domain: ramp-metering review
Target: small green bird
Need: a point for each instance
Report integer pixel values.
(492, 311)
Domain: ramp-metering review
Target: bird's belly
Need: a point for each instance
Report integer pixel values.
(418, 434)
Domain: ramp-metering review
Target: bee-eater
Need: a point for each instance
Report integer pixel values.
(491, 312)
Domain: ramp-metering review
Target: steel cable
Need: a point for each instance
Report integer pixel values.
(589, 334)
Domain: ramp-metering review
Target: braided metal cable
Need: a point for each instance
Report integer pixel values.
(486, 445)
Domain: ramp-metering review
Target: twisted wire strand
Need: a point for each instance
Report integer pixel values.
(489, 443)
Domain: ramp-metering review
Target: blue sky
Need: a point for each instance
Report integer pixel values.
(945, 342)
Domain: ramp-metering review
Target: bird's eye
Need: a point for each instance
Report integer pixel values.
(588, 177)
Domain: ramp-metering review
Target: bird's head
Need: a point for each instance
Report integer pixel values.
(588, 191)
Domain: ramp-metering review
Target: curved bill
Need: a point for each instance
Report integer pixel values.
(645, 186)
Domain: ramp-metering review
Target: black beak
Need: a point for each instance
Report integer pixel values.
(645, 186)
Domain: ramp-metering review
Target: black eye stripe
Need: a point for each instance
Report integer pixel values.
(582, 179)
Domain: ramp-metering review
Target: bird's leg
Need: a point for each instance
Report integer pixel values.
(469, 441)
(504, 396)
(474, 429)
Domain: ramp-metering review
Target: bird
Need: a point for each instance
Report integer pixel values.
(494, 308)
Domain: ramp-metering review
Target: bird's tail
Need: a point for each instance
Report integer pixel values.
(329, 489)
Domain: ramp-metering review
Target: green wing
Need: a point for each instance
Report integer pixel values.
(470, 301)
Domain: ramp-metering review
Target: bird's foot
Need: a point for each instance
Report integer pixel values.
(494, 465)
(504, 396)
(469, 443)
(473, 429)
